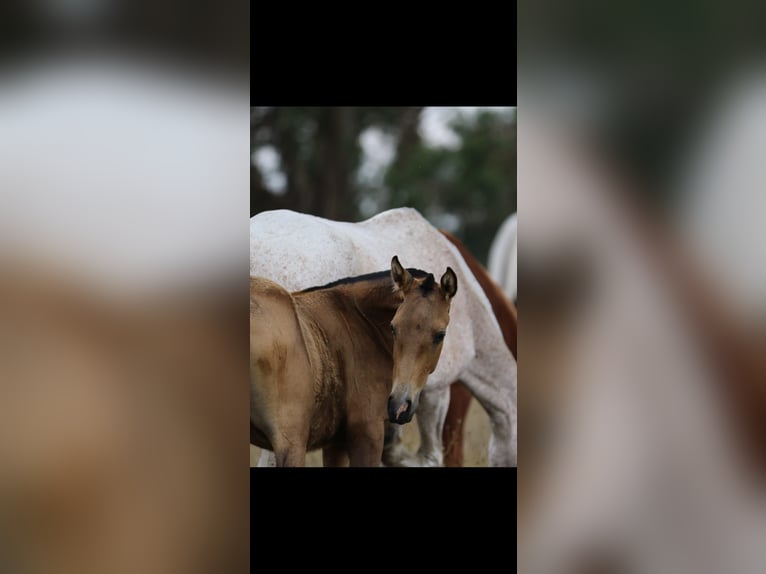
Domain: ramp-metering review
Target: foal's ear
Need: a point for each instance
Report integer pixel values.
(449, 283)
(402, 278)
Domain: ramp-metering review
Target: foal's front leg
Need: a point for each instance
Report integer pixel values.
(334, 455)
(289, 442)
(290, 453)
(365, 443)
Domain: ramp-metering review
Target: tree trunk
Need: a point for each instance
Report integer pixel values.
(334, 132)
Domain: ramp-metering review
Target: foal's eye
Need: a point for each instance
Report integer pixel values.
(393, 330)
(439, 337)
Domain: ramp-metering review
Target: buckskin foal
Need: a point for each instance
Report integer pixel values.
(329, 364)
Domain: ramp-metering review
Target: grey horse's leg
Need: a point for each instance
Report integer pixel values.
(432, 410)
(268, 458)
(393, 448)
(499, 403)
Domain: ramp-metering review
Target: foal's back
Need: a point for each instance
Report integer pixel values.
(306, 350)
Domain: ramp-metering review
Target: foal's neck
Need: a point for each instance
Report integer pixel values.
(374, 297)
(371, 295)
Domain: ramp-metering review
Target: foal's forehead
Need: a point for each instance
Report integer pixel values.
(428, 300)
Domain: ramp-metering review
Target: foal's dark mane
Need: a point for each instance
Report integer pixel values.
(427, 285)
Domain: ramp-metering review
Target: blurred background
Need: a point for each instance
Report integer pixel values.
(120, 180)
(457, 166)
(123, 336)
(642, 395)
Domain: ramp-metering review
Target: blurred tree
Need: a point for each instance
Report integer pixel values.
(469, 190)
(320, 154)
(655, 70)
(473, 187)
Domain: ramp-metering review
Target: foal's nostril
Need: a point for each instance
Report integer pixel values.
(399, 412)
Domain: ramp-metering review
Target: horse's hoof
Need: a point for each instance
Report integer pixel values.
(419, 461)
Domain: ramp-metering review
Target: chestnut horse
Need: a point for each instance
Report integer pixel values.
(460, 396)
(327, 362)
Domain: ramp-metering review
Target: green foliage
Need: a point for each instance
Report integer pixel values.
(473, 184)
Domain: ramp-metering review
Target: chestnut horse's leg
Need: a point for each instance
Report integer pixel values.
(452, 435)
(365, 443)
(335, 455)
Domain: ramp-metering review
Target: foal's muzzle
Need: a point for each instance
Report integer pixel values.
(400, 411)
